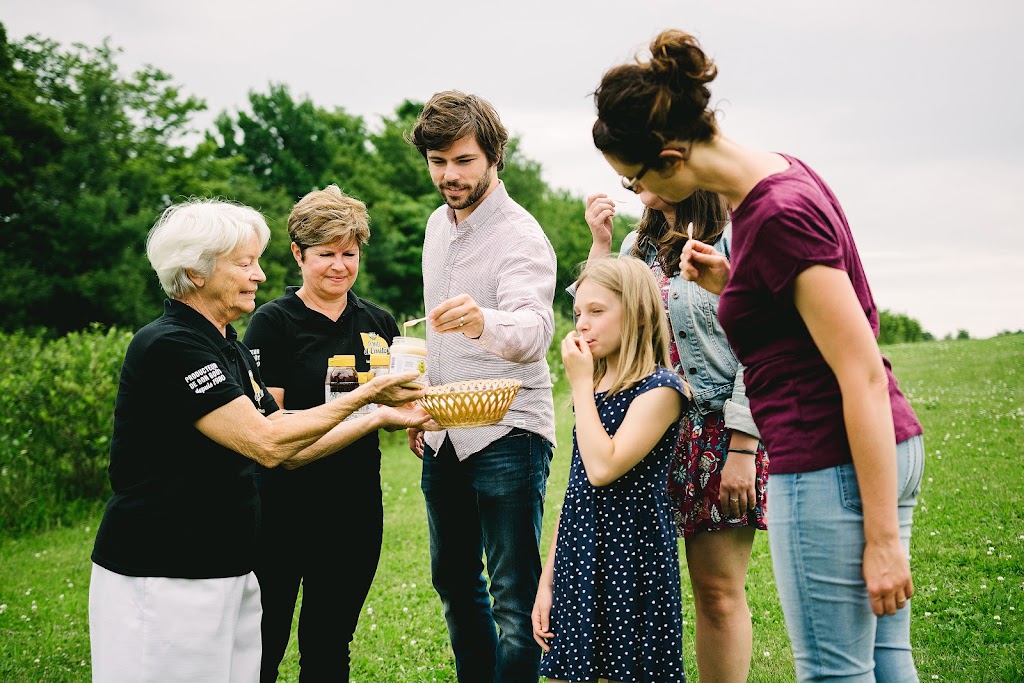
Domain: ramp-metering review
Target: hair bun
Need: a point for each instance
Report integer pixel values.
(678, 60)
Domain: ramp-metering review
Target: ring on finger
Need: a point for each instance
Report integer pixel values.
(462, 320)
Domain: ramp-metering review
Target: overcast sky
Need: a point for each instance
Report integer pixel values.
(910, 109)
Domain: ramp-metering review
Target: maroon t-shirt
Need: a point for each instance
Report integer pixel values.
(788, 222)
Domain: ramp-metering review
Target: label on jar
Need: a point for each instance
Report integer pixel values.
(410, 362)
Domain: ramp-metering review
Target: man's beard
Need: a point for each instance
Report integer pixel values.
(474, 195)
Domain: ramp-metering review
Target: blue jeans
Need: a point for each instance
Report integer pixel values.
(489, 505)
(816, 534)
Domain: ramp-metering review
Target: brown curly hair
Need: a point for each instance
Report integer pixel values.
(709, 214)
(644, 106)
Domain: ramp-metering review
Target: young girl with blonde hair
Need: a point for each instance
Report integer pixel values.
(608, 604)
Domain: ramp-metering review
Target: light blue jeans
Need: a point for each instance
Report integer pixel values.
(816, 534)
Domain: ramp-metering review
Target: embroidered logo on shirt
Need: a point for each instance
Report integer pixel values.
(374, 343)
(205, 378)
(257, 392)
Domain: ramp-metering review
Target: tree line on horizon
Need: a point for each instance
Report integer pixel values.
(89, 158)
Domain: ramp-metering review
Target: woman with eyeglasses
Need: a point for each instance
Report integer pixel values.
(846, 447)
(719, 468)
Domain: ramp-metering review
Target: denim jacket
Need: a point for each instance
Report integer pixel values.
(708, 363)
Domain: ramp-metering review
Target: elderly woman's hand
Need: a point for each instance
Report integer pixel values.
(409, 415)
(385, 390)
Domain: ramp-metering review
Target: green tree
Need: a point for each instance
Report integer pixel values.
(897, 328)
(72, 248)
(293, 145)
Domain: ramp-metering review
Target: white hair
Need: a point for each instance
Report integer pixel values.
(193, 234)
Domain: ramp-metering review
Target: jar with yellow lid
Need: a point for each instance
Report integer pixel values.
(380, 364)
(341, 377)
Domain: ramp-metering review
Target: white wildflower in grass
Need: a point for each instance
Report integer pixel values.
(3, 608)
(373, 627)
(767, 653)
(983, 586)
(412, 642)
(369, 610)
(999, 578)
(935, 677)
(405, 489)
(87, 530)
(996, 617)
(34, 606)
(28, 592)
(60, 597)
(927, 614)
(405, 609)
(70, 585)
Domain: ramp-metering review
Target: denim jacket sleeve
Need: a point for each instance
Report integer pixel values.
(737, 408)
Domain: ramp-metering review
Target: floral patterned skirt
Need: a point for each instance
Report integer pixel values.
(695, 476)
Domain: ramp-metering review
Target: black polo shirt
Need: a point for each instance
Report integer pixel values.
(183, 506)
(291, 342)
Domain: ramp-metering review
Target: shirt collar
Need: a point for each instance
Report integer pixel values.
(196, 320)
(292, 299)
(486, 209)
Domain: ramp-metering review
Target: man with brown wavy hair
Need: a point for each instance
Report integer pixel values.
(488, 286)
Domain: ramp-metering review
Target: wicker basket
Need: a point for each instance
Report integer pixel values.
(473, 403)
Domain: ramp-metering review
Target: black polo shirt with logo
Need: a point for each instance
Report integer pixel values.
(183, 506)
(292, 343)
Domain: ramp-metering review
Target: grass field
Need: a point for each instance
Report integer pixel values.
(967, 550)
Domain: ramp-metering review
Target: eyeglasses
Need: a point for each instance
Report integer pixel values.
(631, 183)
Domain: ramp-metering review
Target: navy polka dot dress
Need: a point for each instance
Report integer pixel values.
(616, 609)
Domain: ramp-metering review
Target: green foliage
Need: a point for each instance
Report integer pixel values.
(56, 417)
(897, 328)
(74, 226)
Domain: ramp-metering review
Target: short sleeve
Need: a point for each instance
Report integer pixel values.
(190, 374)
(790, 242)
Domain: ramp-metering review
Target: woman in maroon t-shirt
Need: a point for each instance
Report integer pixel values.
(846, 447)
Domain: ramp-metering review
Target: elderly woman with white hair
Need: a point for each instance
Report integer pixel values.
(173, 596)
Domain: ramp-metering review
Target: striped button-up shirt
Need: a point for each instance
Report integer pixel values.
(501, 257)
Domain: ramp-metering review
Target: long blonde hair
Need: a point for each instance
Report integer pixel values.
(644, 332)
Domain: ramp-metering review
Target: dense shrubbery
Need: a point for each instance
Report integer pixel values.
(896, 328)
(56, 403)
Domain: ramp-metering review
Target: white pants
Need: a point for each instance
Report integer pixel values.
(150, 629)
